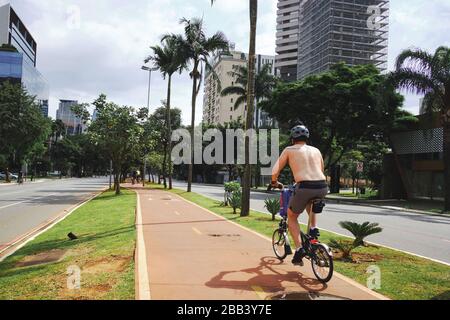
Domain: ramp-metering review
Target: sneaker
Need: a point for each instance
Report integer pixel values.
(298, 257)
(314, 233)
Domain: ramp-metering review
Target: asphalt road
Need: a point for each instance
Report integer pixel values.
(424, 235)
(24, 208)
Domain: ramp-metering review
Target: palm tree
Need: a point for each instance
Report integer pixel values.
(196, 49)
(253, 4)
(265, 82)
(168, 59)
(424, 73)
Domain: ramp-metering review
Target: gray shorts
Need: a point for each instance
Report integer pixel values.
(305, 192)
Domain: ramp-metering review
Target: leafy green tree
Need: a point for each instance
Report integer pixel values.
(116, 132)
(429, 74)
(168, 59)
(58, 130)
(65, 155)
(344, 107)
(158, 137)
(22, 125)
(196, 49)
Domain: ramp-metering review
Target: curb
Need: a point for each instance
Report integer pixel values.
(12, 247)
(343, 201)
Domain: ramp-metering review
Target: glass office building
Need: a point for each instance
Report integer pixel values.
(15, 69)
(20, 67)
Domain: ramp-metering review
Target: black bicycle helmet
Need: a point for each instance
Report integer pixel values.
(299, 132)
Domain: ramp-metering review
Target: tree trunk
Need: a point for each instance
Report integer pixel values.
(194, 100)
(165, 167)
(117, 183)
(245, 210)
(169, 132)
(447, 165)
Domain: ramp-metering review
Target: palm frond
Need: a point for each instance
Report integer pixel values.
(240, 101)
(217, 42)
(418, 60)
(413, 81)
(233, 90)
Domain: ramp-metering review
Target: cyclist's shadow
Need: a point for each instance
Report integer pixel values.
(266, 276)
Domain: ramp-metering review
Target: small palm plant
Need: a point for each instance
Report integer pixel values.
(235, 200)
(344, 247)
(273, 206)
(360, 231)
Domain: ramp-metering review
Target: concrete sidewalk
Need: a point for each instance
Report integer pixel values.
(189, 253)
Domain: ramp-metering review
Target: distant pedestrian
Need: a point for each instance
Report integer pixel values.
(20, 177)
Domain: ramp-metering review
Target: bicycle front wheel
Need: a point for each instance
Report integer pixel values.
(322, 263)
(279, 244)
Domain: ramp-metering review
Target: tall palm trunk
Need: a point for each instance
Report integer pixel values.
(169, 132)
(446, 124)
(245, 211)
(165, 165)
(194, 101)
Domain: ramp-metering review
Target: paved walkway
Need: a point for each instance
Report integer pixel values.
(193, 254)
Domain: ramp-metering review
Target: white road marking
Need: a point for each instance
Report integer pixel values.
(16, 203)
(197, 231)
(177, 213)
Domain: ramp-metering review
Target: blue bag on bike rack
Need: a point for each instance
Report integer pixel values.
(284, 202)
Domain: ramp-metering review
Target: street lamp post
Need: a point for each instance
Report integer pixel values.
(149, 70)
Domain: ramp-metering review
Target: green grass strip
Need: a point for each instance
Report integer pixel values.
(104, 253)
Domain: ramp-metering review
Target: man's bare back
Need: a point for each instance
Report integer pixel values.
(306, 163)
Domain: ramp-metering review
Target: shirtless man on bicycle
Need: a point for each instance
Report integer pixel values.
(306, 163)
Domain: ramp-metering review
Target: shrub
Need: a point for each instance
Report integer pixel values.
(235, 200)
(343, 246)
(360, 231)
(230, 187)
(273, 206)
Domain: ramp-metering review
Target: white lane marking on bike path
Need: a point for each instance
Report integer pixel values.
(143, 277)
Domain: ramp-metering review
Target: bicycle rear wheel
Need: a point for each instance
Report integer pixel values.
(322, 263)
(279, 244)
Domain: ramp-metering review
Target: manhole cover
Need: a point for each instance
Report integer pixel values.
(167, 199)
(304, 296)
(42, 258)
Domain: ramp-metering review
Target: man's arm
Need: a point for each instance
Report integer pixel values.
(279, 166)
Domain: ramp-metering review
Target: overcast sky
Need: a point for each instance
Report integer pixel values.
(103, 50)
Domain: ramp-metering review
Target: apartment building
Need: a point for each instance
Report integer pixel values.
(313, 35)
(287, 41)
(221, 110)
